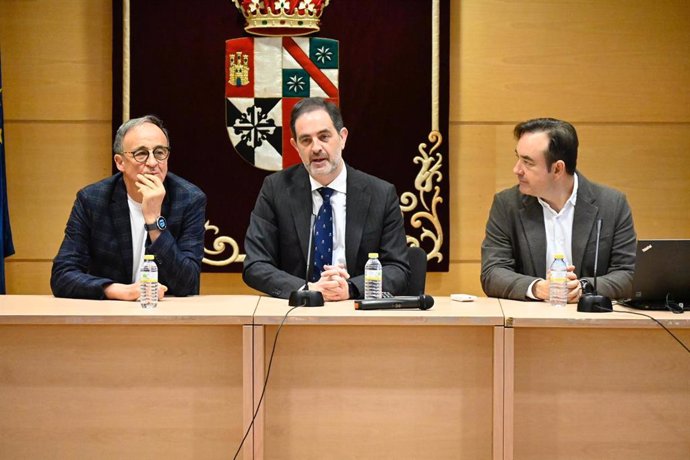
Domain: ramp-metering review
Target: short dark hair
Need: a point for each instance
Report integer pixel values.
(563, 141)
(129, 124)
(310, 104)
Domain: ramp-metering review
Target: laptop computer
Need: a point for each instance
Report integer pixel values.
(662, 275)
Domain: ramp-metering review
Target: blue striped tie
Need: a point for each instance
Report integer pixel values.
(323, 235)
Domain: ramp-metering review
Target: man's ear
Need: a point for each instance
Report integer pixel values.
(558, 167)
(343, 137)
(119, 162)
(293, 144)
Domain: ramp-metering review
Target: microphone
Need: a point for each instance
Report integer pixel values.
(423, 302)
(592, 302)
(303, 297)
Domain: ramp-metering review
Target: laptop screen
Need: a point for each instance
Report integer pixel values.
(662, 267)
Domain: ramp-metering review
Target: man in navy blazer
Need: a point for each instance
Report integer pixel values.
(141, 209)
(366, 217)
(555, 209)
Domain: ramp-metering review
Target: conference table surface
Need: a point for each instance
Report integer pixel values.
(541, 314)
(445, 312)
(242, 309)
(206, 309)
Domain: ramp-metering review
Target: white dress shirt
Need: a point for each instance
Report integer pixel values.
(559, 231)
(139, 234)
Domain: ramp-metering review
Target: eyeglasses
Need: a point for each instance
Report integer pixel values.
(141, 155)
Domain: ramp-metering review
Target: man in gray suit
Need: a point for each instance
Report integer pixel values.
(555, 209)
(363, 216)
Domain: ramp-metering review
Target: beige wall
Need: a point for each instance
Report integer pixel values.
(617, 69)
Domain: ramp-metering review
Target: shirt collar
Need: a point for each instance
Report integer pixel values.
(339, 184)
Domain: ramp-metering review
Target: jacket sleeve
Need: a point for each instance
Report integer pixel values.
(499, 277)
(69, 275)
(392, 249)
(179, 255)
(262, 247)
(616, 283)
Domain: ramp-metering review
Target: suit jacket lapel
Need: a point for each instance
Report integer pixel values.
(583, 221)
(119, 211)
(300, 199)
(532, 219)
(357, 208)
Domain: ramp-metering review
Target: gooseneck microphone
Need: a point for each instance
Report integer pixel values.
(423, 302)
(303, 297)
(594, 303)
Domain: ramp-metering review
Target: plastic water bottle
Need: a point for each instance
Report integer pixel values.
(558, 281)
(148, 282)
(373, 277)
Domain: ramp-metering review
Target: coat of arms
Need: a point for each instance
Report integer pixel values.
(266, 76)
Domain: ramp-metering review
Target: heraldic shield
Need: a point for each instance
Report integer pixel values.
(264, 79)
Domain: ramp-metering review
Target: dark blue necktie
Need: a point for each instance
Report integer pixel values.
(323, 235)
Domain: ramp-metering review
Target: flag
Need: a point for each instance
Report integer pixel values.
(6, 246)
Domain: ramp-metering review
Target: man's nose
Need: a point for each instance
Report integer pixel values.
(517, 169)
(151, 161)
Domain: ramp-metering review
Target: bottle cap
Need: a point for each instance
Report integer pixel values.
(373, 255)
(148, 257)
(559, 255)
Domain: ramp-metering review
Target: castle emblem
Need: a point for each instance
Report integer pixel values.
(238, 69)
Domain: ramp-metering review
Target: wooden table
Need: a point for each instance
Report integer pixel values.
(488, 379)
(595, 385)
(105, 379)
(380, 384)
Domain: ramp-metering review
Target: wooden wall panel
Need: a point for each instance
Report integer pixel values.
(225, 283)
(56, 59)
(46, 164)
(585, 60)
(462, 278)
(28, 276)
(650, 163)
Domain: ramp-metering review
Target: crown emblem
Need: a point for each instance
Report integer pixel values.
(281, 17)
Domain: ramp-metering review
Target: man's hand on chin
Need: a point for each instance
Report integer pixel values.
(153, 192)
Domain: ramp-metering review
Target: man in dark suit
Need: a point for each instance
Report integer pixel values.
(366, 217)
(141, 209)
(555, 209)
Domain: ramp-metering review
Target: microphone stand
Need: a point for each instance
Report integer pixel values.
(594, 303)
(303, 297)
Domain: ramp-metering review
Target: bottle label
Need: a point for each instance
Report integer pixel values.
(372, 275)
(558, 277)
(149, 277)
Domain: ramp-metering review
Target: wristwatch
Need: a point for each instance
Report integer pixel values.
(160, 224)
